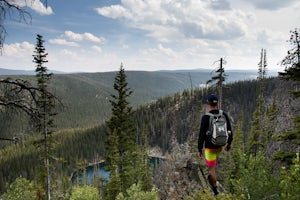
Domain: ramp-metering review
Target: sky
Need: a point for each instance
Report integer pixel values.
(150, 35)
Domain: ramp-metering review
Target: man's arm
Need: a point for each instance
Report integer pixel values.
(230, 132)
(202, 134)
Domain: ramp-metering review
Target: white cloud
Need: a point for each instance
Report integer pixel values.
(167, 34)
(63, 42)
(18, 49)
(92, 38)
(66, 52)
(166, 51)
(203, 30)
(82, 60)
(17, 56)
(83, 37)
(268, 37)
(187, 19)
(114, 11)
(35, 5)
(72, 39)
(73, 36)
(97, 49)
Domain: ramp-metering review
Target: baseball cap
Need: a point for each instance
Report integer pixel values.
(212, 99)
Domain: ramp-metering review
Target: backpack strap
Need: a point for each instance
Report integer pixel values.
(209, 114)
(220, 112)
(212, 115)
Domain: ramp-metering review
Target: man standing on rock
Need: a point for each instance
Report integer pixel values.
(215, 134)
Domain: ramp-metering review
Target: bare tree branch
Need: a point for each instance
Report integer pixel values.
(14, 139)
(10, 9)
(22, 95)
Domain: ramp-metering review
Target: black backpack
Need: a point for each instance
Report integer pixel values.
(217, 128)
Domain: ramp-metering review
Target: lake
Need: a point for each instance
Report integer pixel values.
(98, 171)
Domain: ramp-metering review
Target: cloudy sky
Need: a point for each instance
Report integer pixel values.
(99, 35)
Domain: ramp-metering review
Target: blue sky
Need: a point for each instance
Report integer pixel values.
(99, 35)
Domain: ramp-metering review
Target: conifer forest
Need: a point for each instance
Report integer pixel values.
(54, 126)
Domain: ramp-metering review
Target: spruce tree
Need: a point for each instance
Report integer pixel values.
(237, 159)
(122, 142)
(258, 128)
(292, 73)
(292, 61)
(45, 105)
(219, 78)
(292, 69)
(145, 177)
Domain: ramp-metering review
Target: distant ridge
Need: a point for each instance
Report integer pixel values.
(10, 72)
(252, 73)
(16, 72)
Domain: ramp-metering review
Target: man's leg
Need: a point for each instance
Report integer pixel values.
(213, 175)
(211, 161)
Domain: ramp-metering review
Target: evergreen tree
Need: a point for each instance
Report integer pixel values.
(262, 72)
(272, 112)
(292, 72)
(258, 128)
(256, 179)
(290, 181)
(122, 140)
(219, 78)
(45, 105)
(113, 187)
(293, 55)
(292, 61)
(144, 168)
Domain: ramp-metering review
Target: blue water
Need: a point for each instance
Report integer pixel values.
(88, 176)
(91, 172)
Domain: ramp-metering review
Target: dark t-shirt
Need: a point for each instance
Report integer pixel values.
(204, 139)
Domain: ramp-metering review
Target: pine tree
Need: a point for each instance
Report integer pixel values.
(121, 145)
(45, 105)
(258, 128)
(236, 160)
(272, 112)
(113, 187)
(292, 61)
(292, 72)
(144, 168)
(219, 79)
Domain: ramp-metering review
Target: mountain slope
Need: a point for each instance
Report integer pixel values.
(86, 95)
(176, 116)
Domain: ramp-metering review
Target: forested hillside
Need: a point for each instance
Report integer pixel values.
(85, 96)
(172, 116)
(179, 115)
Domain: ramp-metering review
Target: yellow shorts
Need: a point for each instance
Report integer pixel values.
(211, 156)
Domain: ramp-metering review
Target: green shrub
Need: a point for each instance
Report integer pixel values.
(85, 192)
(21, 188)
(257, 179)
(136, 192)
(290, 181)
(207, 195)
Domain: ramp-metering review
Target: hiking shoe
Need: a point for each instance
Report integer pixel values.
(214, 188)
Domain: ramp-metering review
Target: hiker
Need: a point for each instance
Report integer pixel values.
(212, 147)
